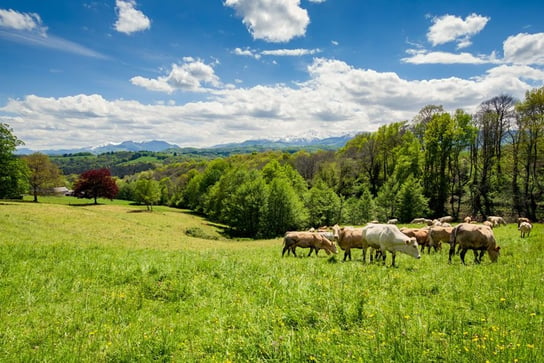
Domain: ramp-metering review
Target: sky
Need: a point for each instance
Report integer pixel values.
(198, 73)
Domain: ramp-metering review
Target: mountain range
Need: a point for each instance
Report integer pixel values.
(329, 143)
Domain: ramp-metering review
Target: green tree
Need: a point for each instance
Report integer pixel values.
(411, 202)
(43, 174)
(323, 205)
(13, 171)
(359, 210)
(285, 210)
(147, 191)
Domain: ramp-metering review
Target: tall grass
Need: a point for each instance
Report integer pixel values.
(103, 283)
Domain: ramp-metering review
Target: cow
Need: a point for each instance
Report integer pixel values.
(489, 224)
(476, 237)
(422, 221)
(496, 220)
(349, 238)
(421, 235)
(439, 234)
(525, 229)
(523, 219)
(467, 219)
(311, 240)
(393, 221)
(389, 238)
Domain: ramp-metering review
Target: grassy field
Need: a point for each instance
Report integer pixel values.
(114, 283)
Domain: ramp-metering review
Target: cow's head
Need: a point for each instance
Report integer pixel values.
(336, 232)
(411, 247)
(494, 253)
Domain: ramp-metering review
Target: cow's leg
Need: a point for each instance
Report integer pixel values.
(452, 252)
(393, 256)
(311, 250)
(462, 254)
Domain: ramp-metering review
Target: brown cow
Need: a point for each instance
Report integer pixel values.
(421, 235)
(496, 220)
(349, 237)
(311, 240)
(438, 234)
(474, 237)
(523, 219)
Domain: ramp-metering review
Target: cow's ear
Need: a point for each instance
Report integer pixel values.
(498, 248)
(407, 242)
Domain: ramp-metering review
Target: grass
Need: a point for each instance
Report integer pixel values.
(114, 283)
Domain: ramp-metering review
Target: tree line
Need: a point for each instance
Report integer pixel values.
(440, 163)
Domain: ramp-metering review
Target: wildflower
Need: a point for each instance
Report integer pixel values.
(532, 314)
(502, 299)
(530, 346)
(406, 317)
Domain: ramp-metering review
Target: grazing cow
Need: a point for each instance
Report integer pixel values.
(311, 240)
(349, 238)
(496, 220)
(421, 235)
(389, 238)
(439, 234)
(393, 221)
(446, 219)
(489, 224)
(523, 219)
(525, 229)
(421, 221)
(467, 219)
(476, 237)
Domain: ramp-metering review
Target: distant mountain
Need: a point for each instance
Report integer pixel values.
(310, 142)
(296, 142)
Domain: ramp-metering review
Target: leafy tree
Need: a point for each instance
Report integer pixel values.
(43, 173)
(147, 191)
(323, 205)
(386, 206)
(359, 210)
(94, 184)
(243, 209)
(411, 202)
(12, 170)
(285, 211)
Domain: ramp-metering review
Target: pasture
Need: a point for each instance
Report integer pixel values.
(111, 282)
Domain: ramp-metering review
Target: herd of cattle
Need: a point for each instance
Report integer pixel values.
(382, 238)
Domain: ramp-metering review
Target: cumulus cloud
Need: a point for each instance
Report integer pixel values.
(193, 75)
(272, 20)
(337, 98)
(524, 48)
(130, 19)
(421, 56)
(11, 19)
(450, 28)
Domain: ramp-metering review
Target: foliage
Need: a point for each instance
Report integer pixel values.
(323, 205)
(119, 286)
(13, 171)
(147, 191)
(94, 184)
(411, 203)
(43, 174)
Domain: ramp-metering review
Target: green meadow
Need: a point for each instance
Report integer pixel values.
(114, 283)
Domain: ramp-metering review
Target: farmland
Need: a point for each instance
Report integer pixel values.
(115, 283)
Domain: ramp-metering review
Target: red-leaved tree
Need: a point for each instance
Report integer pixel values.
(95, 184)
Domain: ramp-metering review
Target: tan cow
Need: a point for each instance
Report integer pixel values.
(349, 238)
(476, 237)
(311, 240)
(439, 234)
(525, 229)
(523, 219)
(421, 235)
(496, 220)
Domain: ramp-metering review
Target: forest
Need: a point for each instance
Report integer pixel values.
(439, 163)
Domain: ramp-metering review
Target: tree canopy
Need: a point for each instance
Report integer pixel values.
(94, 184)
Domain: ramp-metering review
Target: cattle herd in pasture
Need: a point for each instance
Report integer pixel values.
(381, 238)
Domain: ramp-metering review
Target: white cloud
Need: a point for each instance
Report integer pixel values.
(129, 19)
(524, 48)
(246, 52)
(192, 76)
(450, 28)
(290, 52)
(336, 99)
(15, 20)
(272, 20)
(425, 57)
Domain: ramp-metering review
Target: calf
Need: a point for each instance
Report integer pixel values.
(525, 229)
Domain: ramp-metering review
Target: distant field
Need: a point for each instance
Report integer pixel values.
(112, 282)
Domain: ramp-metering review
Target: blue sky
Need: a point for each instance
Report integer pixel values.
(199, 73)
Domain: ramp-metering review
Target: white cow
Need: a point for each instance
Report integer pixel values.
(389, 238)
(525, 229)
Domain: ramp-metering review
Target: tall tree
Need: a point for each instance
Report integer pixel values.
(323, 205)
(531, 129)
(147, 191)
(12, 170)
(94, 184)
(43, 173)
